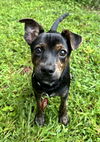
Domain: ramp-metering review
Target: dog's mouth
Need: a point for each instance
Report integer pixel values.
(46, 80)
(49, 83)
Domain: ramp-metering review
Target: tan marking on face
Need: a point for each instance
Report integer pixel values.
(60, 66)
(58, 47)
(35, 61)
(41, 45)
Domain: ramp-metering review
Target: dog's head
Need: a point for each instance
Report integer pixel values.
(50, 50)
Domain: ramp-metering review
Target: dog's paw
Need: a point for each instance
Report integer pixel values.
(39, 119)
(63, 119)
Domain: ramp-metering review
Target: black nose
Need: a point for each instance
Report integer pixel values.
(48, 70)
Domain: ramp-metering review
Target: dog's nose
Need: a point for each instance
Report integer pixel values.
(49, 70)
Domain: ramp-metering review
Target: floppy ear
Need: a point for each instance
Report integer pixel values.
(73, 39)
(32, 29)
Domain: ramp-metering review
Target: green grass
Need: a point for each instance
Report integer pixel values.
(17, 106)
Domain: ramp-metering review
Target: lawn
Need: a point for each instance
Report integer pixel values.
(17, 102)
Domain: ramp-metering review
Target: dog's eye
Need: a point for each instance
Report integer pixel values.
(62, 53)
(38, 50)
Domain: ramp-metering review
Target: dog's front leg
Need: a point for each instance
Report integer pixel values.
(63, 117)
(40, 117)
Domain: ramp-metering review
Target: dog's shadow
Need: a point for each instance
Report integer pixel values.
(26, 108)
(25, 101)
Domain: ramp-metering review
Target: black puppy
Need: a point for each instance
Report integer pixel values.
(50, 56)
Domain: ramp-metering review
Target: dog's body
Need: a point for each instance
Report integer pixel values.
(50, 57)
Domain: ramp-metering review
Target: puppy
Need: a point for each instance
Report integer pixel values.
(50, 56)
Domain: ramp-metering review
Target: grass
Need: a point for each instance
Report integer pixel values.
(17, 106)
